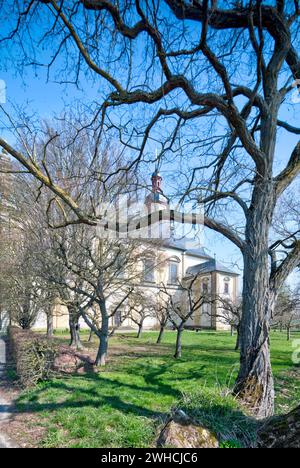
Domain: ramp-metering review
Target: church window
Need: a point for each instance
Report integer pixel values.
(173, 273)
(149, 269)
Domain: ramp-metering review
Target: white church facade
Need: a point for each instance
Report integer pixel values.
(183, 259)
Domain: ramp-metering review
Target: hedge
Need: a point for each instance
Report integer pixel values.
(33, 356)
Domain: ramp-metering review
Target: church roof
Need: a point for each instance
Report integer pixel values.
(188, 246)
(209, 267)
(156, 174)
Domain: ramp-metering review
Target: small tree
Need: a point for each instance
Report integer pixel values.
(24, 305)
(24, 296)
(230, 312)
(107, 270)
(182, 306)
(141, 308)
(161, 313)
(287, 310)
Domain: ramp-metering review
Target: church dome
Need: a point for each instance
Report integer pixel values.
(156, 174)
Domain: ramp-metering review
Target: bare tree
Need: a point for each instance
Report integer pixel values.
(161, 313)
(107, 270)
(54, 278)
(6, 244)
(210, 79)
(182, 306)
(141, 309)
(230, 313)
(24, 298)
(31, 234)
(287, 310)
(23, 292)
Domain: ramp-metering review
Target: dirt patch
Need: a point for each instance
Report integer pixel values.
(139, 350)
(123, 349)
(125, 346)
(71, 361)
(25, 429)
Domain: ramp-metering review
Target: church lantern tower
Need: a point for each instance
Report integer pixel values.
(155, 202)
(156, 197)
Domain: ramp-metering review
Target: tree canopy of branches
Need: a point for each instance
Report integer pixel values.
(210, 81)
(106, 271)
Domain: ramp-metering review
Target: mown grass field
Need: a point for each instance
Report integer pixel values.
(124, 405)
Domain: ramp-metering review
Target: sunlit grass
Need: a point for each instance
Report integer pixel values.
(124, 405)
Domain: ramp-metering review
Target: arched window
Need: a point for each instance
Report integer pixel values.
(173, 273)
(173, 270)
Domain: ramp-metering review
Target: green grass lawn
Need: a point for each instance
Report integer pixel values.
(124, 405)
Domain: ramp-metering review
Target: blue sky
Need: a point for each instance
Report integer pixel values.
(44, 99)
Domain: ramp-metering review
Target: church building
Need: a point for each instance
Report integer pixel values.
(183, 260)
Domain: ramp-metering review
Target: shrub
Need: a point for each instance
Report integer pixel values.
(221, 414)
(33, 356)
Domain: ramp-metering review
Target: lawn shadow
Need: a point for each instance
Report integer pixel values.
(98, 390)
(114, 401)
(88, 398)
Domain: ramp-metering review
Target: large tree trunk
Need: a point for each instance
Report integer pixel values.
(178, 349)
(74, 329)
(75, 335)
(161, 334)
(102, 351)
(255, 384)
(103, 345)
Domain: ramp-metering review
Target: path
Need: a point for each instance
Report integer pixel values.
(5, 409)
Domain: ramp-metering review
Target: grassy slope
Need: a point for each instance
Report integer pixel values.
(122, 406)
